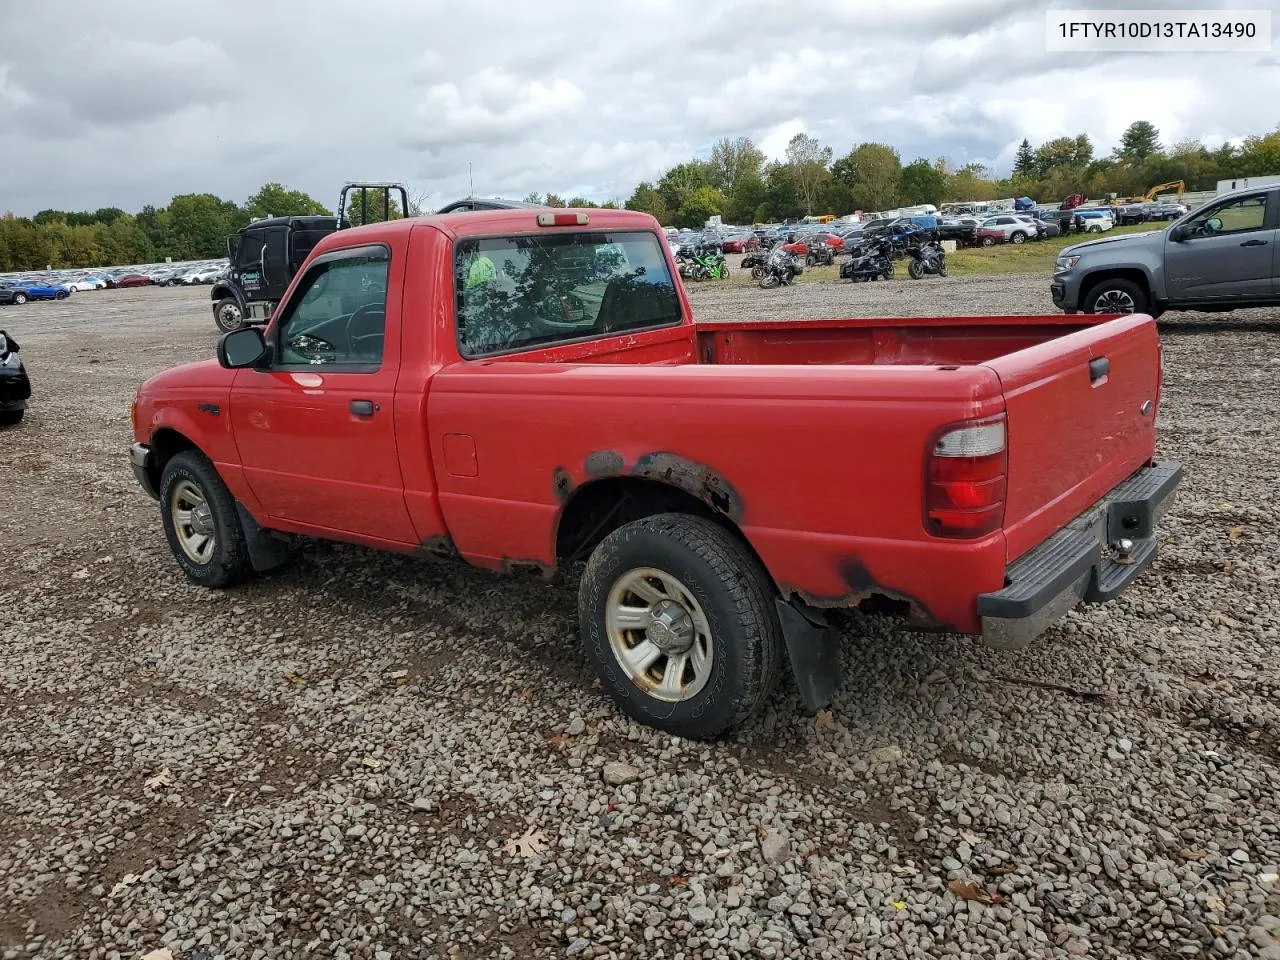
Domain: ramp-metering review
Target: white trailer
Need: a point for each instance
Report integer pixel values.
(1244, 183)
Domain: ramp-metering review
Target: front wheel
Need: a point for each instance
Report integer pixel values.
(19, 298)
(227, 315)
(677, 617)
(1116, 296)
(768, 281)
(942, 269)
(888, 272)
(11, 418)
(201, 523)
(988, 241)
(1018, 238)
(61, 295)
(915, 269)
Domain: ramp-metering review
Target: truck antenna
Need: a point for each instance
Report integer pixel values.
(472, 180)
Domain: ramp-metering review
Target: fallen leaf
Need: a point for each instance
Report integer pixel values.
(398, 674)
(899, 905)
(162, 779)
(823, 718)
(295, 678)
(128, 880)
(1215, 904)
(164, 953)
(558, 740)
(372, 763)
(971, 891)
(533, 842)
(1226, 506)
(679, 880)
(1235, 533)
(1003, 870)
(971, 838)
(1186, 853)
(527, 693)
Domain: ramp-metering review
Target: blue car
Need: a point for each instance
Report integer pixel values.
(41, 290)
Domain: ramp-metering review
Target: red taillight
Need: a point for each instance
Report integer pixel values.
(563, 220)
(966, 479)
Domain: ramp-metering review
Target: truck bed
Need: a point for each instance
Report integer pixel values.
(925, 341)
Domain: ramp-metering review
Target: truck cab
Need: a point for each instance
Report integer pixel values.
(262, 260)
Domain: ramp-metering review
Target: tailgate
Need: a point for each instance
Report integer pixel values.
(1081, 418)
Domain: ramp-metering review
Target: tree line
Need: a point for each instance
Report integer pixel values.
(193, 226)
(737, 183)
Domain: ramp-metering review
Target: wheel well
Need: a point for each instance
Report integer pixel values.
(598, 508)
(1133, 276)
(166, 443)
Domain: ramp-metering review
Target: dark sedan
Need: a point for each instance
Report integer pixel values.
(133, 280)
(15, 388)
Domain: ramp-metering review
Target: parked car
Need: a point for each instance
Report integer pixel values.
(1221, 257)
(1001, 493)
(1092, 221)
(740, 243)
(1167, 211)
(132, 280)
(15, 388)
(1006, 228)
(81, 284)
(11, 293)
(46, 290)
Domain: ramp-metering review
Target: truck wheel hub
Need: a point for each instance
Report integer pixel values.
(672, 628)
(202, 521)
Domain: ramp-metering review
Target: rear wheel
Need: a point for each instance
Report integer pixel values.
(768, 280)
(201, 523)
(1018, 237)
(988, 241)
(1116, 296)
(915, 269)
(19, 298)
(227, 315)
(942, 269)
(61, 295)
(677, 617)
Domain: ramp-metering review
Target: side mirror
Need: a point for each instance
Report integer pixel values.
(241, 348)
(1178, 234)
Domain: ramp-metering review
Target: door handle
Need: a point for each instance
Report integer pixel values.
(362, 408)
(1254, 243)
(1099, 367)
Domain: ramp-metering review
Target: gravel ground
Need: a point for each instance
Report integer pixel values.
(366, 756)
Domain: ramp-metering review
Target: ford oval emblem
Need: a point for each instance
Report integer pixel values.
(1146, 408)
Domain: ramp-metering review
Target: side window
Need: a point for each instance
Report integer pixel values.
(1238, 216)
(337, 316)
(249, 249)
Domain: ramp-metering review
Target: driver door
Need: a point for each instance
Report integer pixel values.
(1226, 255)
(315, 429)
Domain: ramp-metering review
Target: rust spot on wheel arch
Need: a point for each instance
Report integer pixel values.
(561, 484)
(441, 546)
(863, 591)
(604, 463)
(694, 478)
(527, 568)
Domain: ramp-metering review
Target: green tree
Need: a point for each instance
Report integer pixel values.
(732, 161)
(199, 224)
(1063, 152)
(921, 182)
(808, 160)
(274, 200)
(1024, 163)
(1259, 156)
(873, 172)
(647, 199)
(703, 203)
(782, 195)
(1138, 142)
(680, 182)
(747, 196)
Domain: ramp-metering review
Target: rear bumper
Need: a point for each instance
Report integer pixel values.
(1091, 560)
(15, 389)
(140, 460)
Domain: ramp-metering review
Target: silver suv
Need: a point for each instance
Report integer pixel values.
(1219, 257)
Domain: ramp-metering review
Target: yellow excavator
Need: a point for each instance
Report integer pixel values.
(1150, 195)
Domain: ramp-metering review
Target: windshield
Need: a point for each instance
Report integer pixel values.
(526, 291)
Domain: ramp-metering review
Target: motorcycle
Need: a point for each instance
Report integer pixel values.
(926, 258)
(780, 268)
(872, 262)
(820, 253)
(704, 262)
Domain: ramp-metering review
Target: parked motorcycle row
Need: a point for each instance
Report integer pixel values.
(870, 259)
(702, 262)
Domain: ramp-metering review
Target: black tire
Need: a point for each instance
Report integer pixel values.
(11, 418)
(19, 298)
(988, 241)
(888, 272)
(227, 316)
(942, 269)
(1018, 237)
(229, 563)
(768, 281)
(810, 260)
(61, 295)
(735, 596)
(1115, 296)
(915, 269)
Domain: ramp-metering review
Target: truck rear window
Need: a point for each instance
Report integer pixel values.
(520, 292)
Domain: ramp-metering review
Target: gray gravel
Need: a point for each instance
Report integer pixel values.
(251, 774)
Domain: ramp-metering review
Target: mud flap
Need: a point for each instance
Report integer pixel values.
(266, 550)
(813, 647)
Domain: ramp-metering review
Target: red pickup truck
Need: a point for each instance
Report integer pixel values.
(525, 390)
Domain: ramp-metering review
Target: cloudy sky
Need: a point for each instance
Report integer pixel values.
(134, 101)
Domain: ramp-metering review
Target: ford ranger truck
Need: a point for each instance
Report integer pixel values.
(528, 392)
